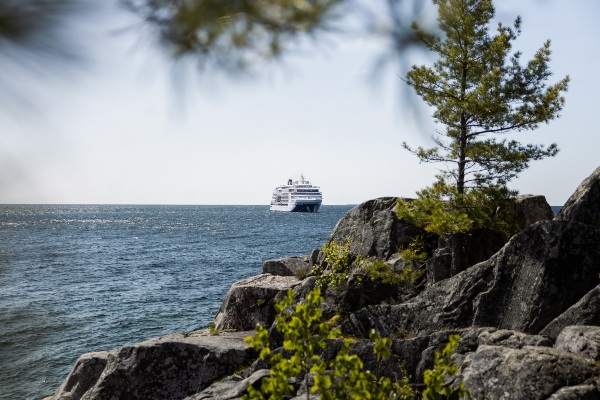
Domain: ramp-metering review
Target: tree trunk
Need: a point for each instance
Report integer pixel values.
(307, 387)
(462, 158)
(457, 243)
(462, 139)
(458, 254)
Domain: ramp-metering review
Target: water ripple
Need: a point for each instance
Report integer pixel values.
(76, 279)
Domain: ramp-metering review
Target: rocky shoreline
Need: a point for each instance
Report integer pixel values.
(527, 309)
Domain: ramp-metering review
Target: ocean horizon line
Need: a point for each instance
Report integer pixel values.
(153, 204)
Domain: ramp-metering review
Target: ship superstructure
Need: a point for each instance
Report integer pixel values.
(297, 196)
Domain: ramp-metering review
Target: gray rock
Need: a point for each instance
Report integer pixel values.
(373, 229)
(303, 387)
(538, 275)
(581, 340)
(530, 373)
(305, 287)
(398, 262)
(252, 301)
(511, 375)
(314, 257)
(585, 312)
(170, 367)
(83, 376)
(530, 209)
(584, 205)
(290, 266)
(417, 354)
(511, 339)
(389, 367)
(480, 244)
(475, 246)
(231, 387)
(579, 392)
(535, 277)
(439, 265)
(361, 291)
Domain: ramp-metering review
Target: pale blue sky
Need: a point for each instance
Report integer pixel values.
(116, 131)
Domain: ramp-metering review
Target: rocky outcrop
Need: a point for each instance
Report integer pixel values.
(584, 205)
(530, 209)
(232, 387)
(578, 392)
(511, 339)
(585, 312)
(252, 301)
(170, 367)
(83, 376)
(528, 315)
(534, 278)
(373, 229)
(486, 357)
(581, 340)
(476, 246)
(480, 244)
(496, 372)
(290, 266)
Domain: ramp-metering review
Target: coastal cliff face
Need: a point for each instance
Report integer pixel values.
(527, 310)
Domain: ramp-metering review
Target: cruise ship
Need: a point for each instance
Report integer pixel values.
(297, 196)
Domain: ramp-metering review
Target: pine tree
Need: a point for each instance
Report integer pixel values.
(478, 91)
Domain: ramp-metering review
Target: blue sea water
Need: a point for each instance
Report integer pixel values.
(82, 278)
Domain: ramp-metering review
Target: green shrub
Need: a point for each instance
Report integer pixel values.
(378, 270)
(304, 333)
(213, 330)
(441, 209)
(337, 262)
(412, 255)
(418, 249)
(436, 387)
(301, 273)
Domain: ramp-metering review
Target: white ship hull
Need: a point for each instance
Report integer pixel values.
(307, 206)
(297, 196)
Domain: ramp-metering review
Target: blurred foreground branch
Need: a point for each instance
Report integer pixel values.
(37, 27)
(37, 40)
(233, 35)
(39, 36)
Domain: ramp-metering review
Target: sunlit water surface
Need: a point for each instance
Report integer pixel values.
(76, 279)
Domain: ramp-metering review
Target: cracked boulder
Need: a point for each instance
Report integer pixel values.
(373, 229)
(581, 340)
(252, 301)
(584, 205)
(496, 372)
(530, 209)
(290, 266)
(585, 312)
(170, 367)
(535, 277)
